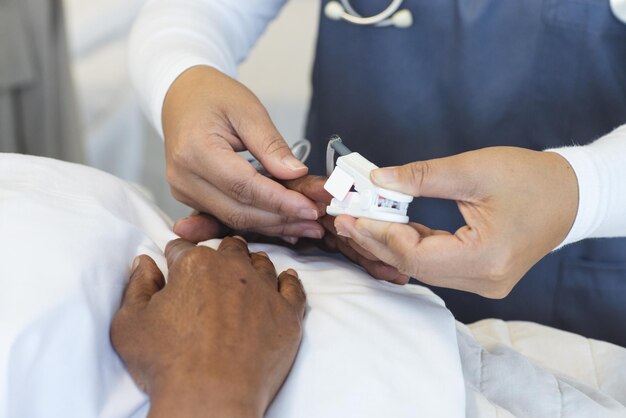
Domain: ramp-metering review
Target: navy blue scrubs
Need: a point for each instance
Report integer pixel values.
(477, 73)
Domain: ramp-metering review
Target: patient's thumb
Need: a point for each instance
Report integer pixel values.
(445, 178)
(145, 280)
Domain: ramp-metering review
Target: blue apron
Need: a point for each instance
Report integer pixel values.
(477, 73)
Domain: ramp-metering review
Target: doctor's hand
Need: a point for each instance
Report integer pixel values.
(207, 117)
(518, 205)
(219, 337)
(202, 227)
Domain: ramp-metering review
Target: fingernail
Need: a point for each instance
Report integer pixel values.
(240, 239)
(402, 279)
(292, 272)
(313, 233)
(308, 214)
(135, 264)
(384, 176)
(290, 240)
(178, 223)
(342, 232)
(294, 164)
(263, 254)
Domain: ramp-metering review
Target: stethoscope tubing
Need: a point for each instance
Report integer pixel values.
(352, 16)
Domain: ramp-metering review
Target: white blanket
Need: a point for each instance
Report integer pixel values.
(370, 349)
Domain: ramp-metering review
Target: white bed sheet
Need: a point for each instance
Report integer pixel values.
(369, 350)
(69, 234)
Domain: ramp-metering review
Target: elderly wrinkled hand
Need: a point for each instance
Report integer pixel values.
(220, 336)
(518, 206)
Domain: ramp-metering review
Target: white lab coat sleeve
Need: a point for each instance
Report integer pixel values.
(601, 171)
(171, 36)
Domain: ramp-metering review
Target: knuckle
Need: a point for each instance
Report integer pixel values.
(176, 194)
(194, 259)
(279, 206)
(418, 172)
(198, 254)
(241, 190)
(179, 154)
(238, 220)
(172, 175)
(117, 330)
(273, 145)
(396, 237)
(408, 267)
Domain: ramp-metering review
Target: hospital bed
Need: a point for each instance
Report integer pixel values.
(370, 349)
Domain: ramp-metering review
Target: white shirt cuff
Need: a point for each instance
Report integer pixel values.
(600, 168)
(588, 194)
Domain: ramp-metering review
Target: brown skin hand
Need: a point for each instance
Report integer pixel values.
(218, 339)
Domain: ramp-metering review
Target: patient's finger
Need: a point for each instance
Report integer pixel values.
(236, 246)
(264, 266)
(291, 288)
(295, 229)
(329, 243)
(393, 243)
(313, 188)
(377, 269)
(362, 251)
(175, 249)
(200, 227)
(144, 282)
(233, 213)
(329, 224)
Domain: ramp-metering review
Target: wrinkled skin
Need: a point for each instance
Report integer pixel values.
(218, 339)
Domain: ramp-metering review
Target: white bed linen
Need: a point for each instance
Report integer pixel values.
(523, 369)
(69, 234)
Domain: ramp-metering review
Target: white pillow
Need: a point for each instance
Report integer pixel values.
(69, 234)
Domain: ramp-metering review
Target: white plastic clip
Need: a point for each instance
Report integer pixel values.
(368, 200)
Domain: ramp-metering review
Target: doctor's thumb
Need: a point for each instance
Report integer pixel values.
(444, 178)
(268, 146)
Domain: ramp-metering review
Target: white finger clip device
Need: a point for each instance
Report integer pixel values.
(353, 192)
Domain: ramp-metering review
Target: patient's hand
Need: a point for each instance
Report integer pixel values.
(518, 205)
(218, 339)
(202, 227)
(313, 188)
